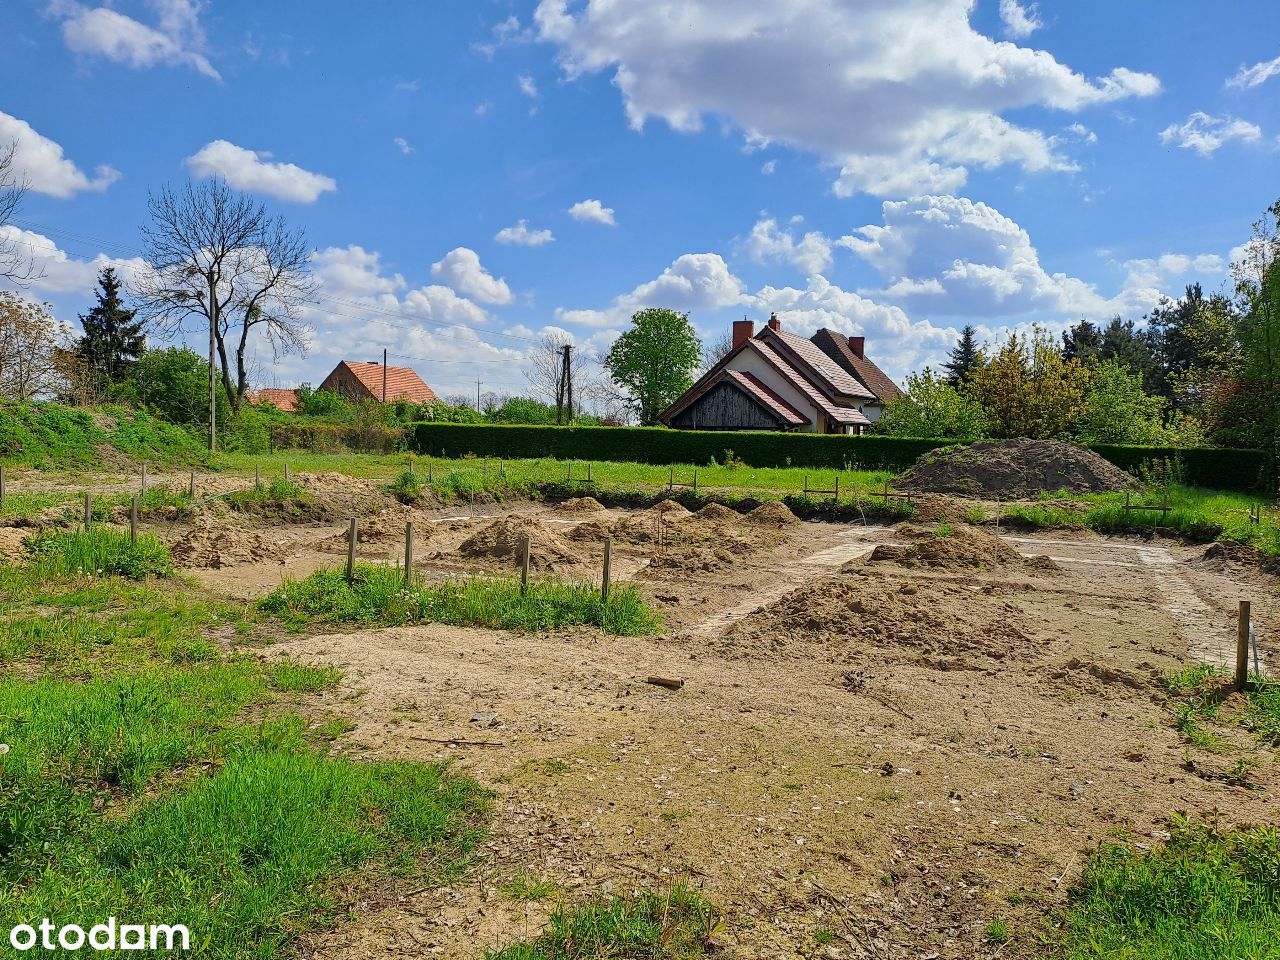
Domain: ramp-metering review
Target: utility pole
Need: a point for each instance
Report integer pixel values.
(568, 384)
(213, 379)
(477, 394)
(384, 374)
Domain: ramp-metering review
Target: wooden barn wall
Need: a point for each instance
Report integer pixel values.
(724, 407)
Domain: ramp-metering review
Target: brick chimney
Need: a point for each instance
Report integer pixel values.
(743, 330)
(857, 345)
(774, 322)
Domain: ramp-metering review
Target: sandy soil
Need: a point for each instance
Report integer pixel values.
(868, 742)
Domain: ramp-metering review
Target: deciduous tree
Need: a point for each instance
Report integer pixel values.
(653, 362)
(1028, 389)
(34, 349)
(933, 408)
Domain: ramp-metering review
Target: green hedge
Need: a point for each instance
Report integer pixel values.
(1224, 469)
(336, 437)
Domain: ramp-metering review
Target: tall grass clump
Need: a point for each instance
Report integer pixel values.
(1205, 895)
(377, 594)
(97, 552)
(407, 487)
(676, 925)
(278, 496)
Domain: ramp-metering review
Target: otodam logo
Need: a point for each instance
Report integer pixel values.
(109, 935)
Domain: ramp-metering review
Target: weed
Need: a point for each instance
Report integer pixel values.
(525, 888)
(407, 488)
(824, 938)
(998, 931)
(279, 496)
(944, 529)
(975, 515)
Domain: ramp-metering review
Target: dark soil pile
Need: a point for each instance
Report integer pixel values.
(936, 620)
(1228, 556)
(1013, 469)
(504, 540)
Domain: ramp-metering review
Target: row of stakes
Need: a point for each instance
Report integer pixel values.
(353, 541)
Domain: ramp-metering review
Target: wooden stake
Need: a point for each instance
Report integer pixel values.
(837, 489)
(408, 555)
(411, 464)
(695, 481)
(659, 533)
(133, 520)
(608, 565)
(353, 535)
(431, 472)
(1242, 646)
(88, 510)
(671, 480)
(524, 567)
(191, 488)
(670, 683)
(287, 478)
(1, 486)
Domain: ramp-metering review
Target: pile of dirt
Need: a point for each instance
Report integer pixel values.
(385, 526)
(772, 513)
(580, 505)
(693, 559)
(960, 546)
(936, 508)
(216, 545)
(503, 539)
(1228, 556)
(718, 513)
(337, 496)
(642, 527)
(60, 516)
(591, 531)
(935, 621)
(1013, 469)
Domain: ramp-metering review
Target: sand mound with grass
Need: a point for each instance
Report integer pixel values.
(937, 508)
(1013, 469)
(212, 546)
(642, 527)
(385, 526)
(337, 496)
(503, 540)
(580, 505)
(772, 513)
(946, 546)
(934, 621)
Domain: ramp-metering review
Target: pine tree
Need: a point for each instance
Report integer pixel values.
(964, 357)
(112, 340)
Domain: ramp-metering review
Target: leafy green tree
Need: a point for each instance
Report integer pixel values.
(113, 340)
(653, 362)
(965, 355)
(324, 404)
(933, 408)
(522, 410)
(1028, 389)
(1117, 409)
(1194, 343)
(174, 383)
(1257, 288)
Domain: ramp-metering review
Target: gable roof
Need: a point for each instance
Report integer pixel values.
(754, 387)
(286, 400)
(818, 393)
(836, 345)
(403, 383)
(834, 377)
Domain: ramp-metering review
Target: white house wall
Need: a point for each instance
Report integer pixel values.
(748, 361)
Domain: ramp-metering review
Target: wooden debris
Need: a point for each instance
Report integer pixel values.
(671, 683)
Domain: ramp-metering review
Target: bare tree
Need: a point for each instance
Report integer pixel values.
(17, 263)
(713, 351)
(546, 370)
(220, 257)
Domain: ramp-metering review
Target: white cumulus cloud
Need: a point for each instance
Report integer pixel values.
(768, 243)
(57, 271)
(694, 281)
(249, 170)
(460, 269)
(902, 96)
(1019, 20)
(593, 211)
(176, 40)
(521, 236)
(39, 161)
(1206, 134)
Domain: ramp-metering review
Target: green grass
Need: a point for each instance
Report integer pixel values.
(676, 925)
(100, 552)
(277, 496)
(998, 931)
(1262, 715)
(152, 775)
(23, 506)
(378, 596)
(1205, 895)
(52, 435)
(525, 888)
(407, 487)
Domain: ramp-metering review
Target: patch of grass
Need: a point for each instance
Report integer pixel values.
(676, 925)
(525, 888)
(975, 515)
(278, 496)
(998, 931)
(1205, 895)
(378, 595)
(1039, 516)
(23, 506)
(301, 678)
(100, 552)
(944, 529)
(823, 937)
(407, 487)
(1262, 716)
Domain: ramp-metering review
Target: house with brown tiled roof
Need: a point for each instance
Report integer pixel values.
(286, 400)
(778, 380)
(376, 381)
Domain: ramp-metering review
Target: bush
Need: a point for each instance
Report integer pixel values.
(407, 488)
(38, 434)
(336, 437)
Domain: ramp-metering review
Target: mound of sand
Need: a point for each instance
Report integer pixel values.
(932, 620)
(504, 540)
(214, 546)
(1229, 556)
(337, 496)
(385, 526)
(1013, 469)
(696, 559)
(718, 513)
(591, 531)
(964, 546)
(642, 527)
(773, 513)
(580, 505)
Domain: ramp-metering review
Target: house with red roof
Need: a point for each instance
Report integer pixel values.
(286, 400)
(777, 380)
(375, 381)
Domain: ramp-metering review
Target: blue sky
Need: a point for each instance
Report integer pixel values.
(473, 174)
